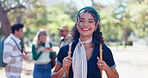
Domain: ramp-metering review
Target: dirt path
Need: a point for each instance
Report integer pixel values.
(131, 63)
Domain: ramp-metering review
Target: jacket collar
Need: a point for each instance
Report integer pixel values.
(15, 38)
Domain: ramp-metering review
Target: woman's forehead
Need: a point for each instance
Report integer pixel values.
(86, 16)
(43, 36)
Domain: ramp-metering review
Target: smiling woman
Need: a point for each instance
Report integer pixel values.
(85, 59)
(86, 25)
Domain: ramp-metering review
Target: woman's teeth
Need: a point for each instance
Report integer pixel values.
(85, 29)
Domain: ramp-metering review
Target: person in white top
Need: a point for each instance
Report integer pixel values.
(41, 50)
(13, 53)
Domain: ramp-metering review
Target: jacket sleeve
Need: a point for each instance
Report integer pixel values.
(7, 57)
(34, 54)
(50, 45)
(108, 57)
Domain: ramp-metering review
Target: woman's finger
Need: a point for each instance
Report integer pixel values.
(98, 59)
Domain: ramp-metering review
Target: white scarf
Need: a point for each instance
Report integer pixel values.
(79, 62)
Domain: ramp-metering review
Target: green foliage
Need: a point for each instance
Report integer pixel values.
(110, 26)
(139, 17)
(116, 20)
(49, 18)
(123, 18)
(57, 17)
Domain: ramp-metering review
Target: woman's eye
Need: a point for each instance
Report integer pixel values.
(81, 21)
(91, 21)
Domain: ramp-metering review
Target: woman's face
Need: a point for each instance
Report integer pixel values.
(42, 38)
(86, 25)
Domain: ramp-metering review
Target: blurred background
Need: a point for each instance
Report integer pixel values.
(124, 24)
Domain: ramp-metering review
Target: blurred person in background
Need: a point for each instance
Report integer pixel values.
(63, 31)
(41, 50)
(13, 53)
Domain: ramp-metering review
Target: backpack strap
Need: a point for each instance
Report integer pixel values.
(17, 45)
(101, 58)
(69, 55)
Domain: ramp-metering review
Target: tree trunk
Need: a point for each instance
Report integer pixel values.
(5, 23)
(93, 3)
(19, 20)
(147, 37)
(125, 36)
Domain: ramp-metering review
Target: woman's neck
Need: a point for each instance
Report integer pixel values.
(85, 38)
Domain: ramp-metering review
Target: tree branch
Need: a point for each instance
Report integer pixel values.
(18, 6)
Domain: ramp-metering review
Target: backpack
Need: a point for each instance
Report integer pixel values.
(2, 64)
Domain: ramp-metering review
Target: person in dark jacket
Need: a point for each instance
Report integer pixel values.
(85, 61)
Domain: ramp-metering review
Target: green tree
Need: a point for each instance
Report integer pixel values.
(58, 16)
(48, 17)
(139, 18)
(35, 18)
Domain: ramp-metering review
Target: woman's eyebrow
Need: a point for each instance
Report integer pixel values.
(88, 19)
(91, 19)
(81, 18)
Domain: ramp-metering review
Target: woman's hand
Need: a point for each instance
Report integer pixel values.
(111, 73)
(50, 49)
(24, 57)
(102, 64)
(25, 52)
(45, 49)
(67, 62)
